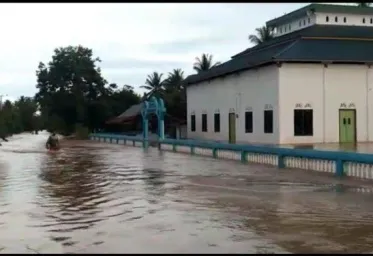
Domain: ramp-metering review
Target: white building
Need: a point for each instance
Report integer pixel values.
(312, 83)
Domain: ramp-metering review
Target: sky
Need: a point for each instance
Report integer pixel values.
(132, 40)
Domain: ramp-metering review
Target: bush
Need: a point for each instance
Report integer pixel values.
(81, 132)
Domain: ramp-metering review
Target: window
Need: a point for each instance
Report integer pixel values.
(300, 23)
(216, 122)
(268, 121)
(285, 29)
(280, 30)
(303, 122)
(344, 19)
(336, 19)
(249, 122)
(363, 20)
(204, 122)
(289, 27)
(193, 123)
(309, 20)
(327, 18)
(371, 21)
(304, 22)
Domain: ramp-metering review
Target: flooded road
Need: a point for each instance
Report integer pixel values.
(103, 198)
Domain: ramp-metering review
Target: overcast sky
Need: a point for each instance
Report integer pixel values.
(132, 40)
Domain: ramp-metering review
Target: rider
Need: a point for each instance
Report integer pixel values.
(52, 142)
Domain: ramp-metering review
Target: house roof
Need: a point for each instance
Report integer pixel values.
(325, 31)
(314, 44)
(329, 8)
(129, 114)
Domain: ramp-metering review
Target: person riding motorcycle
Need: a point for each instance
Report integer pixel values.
(52, 142)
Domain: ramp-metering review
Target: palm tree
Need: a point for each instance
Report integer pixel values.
(363, 4)
(174, 80)
(204, 63)
(154, 83)
(264, 34)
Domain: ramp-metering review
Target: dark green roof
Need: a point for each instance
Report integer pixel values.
(332, 8)
(307, 46)
(328, 50)
(318, 31)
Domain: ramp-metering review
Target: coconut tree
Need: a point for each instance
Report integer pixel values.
(174, 80)
(154, 83)
(204, 63)
(264, 34)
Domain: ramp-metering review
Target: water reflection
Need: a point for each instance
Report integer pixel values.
(332, 220)
(154, 174)
(71, 193)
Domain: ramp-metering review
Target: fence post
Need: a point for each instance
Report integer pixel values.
(243, 156)
(214, 153)
(280, 161)
(339, 167)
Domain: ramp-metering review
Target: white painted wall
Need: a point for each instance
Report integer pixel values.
(351, 19)
(295, 25)
(311, 83)
(249, 89)
(320, 19)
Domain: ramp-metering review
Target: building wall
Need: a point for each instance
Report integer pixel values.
(255, 89)
(351, 19)
(320, 19)
(295, 25)
(324, 89)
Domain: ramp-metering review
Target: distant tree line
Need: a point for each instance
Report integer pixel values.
(19, 116)
(72, 94)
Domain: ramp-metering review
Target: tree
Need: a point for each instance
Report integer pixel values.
(264, 34)
(363, 4)
(154, 83)
(204, 63)
(68, 86)
(174, 80)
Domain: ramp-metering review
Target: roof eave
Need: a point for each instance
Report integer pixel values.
(272, 61)
(289, 16)
(325, 61)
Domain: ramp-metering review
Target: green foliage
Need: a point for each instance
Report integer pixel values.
(74, 98)
(18, 117)
(263, 34)
(71, 90)
(204, 63)
(81, 132)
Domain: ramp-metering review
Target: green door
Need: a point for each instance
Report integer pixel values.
(232, 128)
(347, 126)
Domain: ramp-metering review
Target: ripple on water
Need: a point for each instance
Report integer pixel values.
(103, 198)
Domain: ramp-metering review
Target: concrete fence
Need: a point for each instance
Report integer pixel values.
(338, 163)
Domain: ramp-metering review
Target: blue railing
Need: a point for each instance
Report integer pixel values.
(339, 158)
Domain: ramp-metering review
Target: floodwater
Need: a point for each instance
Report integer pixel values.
(94, 197)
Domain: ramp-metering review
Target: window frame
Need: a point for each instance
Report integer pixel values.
(193, 123)
(216, 128)
(249, 126)
(204, 126)
(302, 126)
(268, 127)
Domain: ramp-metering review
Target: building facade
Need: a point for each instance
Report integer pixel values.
(311, 83)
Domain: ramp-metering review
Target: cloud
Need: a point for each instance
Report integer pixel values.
(132, 40)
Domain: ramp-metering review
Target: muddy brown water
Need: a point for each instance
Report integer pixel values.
(103, 198)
